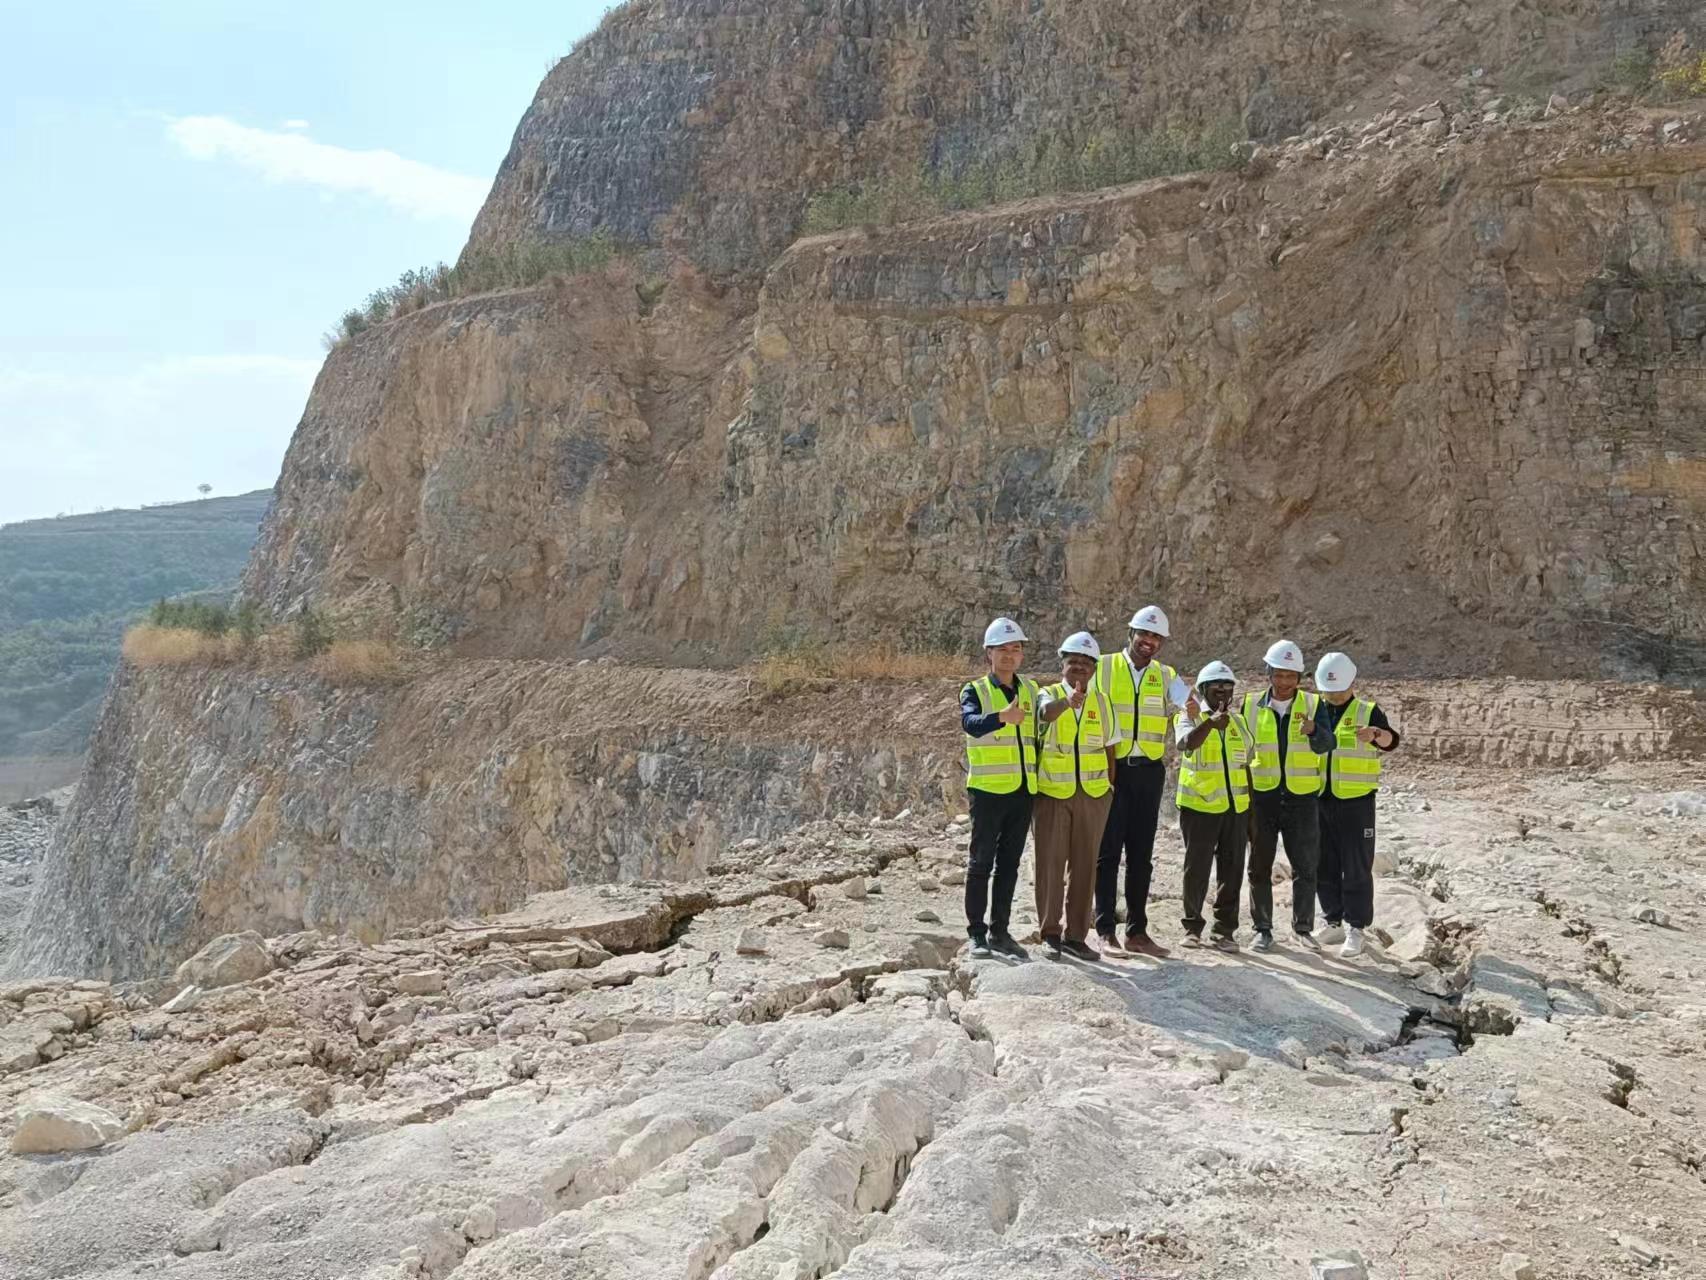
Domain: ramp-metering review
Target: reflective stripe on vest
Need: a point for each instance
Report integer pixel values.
(1003, 761)
(1355, 767)
(1203, 773)
(1302, 765)
(1068, 758)
(1140, 708)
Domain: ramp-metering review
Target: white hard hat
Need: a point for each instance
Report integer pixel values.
(1285, 656)
(1335, 673)
(1214, 671)
(1002, 631)
(1081, 642)
(1150, 618)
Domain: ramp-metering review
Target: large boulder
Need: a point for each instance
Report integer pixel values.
(48, 1125)
(229, 958)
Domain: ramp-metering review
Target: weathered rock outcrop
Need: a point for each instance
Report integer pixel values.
(704, 125)
(240, 800)
(887, 1108)
(1445, 407)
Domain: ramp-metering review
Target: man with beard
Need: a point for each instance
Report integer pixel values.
(1141, 689)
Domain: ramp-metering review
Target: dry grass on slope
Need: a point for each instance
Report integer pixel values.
(360, 662)
(147, 645)
(342, 662)
(777, 673)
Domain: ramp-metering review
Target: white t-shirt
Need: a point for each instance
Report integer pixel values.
(1177, 690)
(1280, 708)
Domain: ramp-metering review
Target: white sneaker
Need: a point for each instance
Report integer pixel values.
(1353, 943)
(1331, 935)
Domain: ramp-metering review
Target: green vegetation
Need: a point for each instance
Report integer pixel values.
(479, 271)
(69, 587)
(1055, 165)
(1630, 71)
(1677, 70)
(209, 617)
(311, 633)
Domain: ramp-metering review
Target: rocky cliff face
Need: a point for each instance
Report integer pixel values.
(1429, 386)
(705, 124)
(214, 804)
(1446, 402)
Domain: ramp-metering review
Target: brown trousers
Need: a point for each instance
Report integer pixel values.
(1068, 835)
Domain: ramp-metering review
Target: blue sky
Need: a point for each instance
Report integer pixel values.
(193, 193)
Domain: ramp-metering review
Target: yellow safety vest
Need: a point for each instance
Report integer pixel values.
(1353, 767)
(1073, 750)
(1204, 773)
(1140, 710)
(1003, 761)
(1302, 765)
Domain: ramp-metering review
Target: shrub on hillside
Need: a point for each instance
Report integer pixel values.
(512, 266)
(311, 632)
(1682, 70)
(1050, 166)
(201, 616)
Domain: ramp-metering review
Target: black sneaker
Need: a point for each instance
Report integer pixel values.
(1005, 944)
(979, 947)
(1053, 945)
(1224, 942)
(1306, 938)
(1078, 951)
(1264, 940)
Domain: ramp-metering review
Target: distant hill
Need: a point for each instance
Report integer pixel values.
(68, 588)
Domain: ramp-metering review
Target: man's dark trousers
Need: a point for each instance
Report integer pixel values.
(1213, 842)
(1138, 783)
(999, 825)
(1276, 815)
(1347, 860)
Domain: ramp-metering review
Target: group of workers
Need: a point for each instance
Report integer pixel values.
(1080, 763)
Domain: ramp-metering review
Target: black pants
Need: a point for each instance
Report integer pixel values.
(999, 825)
(1347, 860)
(1276, 815)
(1138, 782)
(1213, 840)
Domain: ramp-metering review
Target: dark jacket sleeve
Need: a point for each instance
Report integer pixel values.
(1377, 719)
(1321, 741)
(972, 718)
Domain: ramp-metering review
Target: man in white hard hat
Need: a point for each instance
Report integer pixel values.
(1285, 779)
(997, 718)
(1361, 735)
(1076, 735)
(1214, 797)
(1142, 689)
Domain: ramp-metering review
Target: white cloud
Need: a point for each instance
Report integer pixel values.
(81, 436)
(293, 157)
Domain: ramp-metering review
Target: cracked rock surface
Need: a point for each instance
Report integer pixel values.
(612, 1081)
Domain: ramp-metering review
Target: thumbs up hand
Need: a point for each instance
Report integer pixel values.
(1012, 713)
